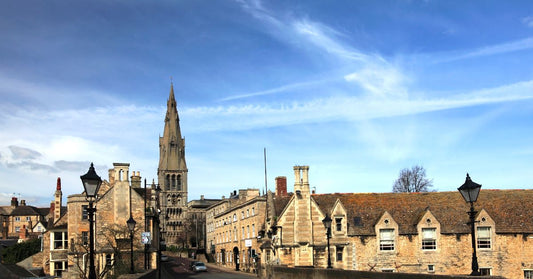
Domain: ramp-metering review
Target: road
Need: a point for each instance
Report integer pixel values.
(177, 268)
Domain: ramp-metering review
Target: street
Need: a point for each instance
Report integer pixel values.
(178, 268)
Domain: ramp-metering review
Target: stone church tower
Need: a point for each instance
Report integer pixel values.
(172, 174)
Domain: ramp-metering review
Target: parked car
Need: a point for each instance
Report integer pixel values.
(198, 267)
(164, 258)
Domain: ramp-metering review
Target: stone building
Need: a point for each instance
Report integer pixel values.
(18, 216)
(117, 198)
(233, 227)
(404, 232)
(172, 175)
(196, 222)
(54, 254)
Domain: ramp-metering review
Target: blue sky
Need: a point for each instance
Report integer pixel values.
(357, 90)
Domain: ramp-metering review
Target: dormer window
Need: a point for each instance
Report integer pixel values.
(429, 238)
(338, 224)
(386, 239)
(483, 238)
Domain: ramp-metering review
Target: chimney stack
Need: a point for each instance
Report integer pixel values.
(14, 202)
(58, 200)
(23, 235)
(136, 179)
(281, 186)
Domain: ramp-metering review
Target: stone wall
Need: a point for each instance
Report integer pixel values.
(279, 272)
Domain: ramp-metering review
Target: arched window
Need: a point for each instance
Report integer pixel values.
(173, 181)
(179, 182)
(167, 182)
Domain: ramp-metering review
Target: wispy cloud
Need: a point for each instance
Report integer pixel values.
(32, 166)
(528, 21)
(370, 71)
(23, 153)
(41, 94)
(343, 108)
(325, 38)
(71, 165)
(524, 44)
(281, 89)
(381, 81)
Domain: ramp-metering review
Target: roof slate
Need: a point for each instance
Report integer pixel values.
(25, 211)
(511, 210)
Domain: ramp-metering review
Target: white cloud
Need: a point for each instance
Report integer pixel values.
(342, 108)
(528, 21)
(372, 72)
(324, 38)
(23, 153)
(381, 81)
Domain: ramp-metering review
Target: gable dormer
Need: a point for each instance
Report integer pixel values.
(428, 229)
(485, 230)
(386, 233)
(339, 224)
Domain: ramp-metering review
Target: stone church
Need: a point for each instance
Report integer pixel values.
(172, 175)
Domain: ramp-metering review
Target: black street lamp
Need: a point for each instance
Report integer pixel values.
(159, 231)
(91, 183)
(327, 224)
(470, 191)
(131, 226)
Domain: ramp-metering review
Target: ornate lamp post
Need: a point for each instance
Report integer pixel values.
(91, 183)
(470, 191)
(327, 224)
(131, 226)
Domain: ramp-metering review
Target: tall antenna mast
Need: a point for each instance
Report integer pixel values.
(266, 186)
(265, 157)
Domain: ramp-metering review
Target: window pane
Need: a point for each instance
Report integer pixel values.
(386, 234)
(429, 233)
(483, 238)
(339, 253)
(386, 242)
(483, 232)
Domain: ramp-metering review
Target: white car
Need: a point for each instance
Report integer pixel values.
(199, 266)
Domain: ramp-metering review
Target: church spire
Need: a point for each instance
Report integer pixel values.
(172, 145)
(172, 172)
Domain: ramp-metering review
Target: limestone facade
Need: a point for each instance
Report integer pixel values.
(404, 232)
(233, 229)
(117, 198)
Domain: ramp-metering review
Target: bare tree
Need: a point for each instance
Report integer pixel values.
(412, 180)
(113, 238)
